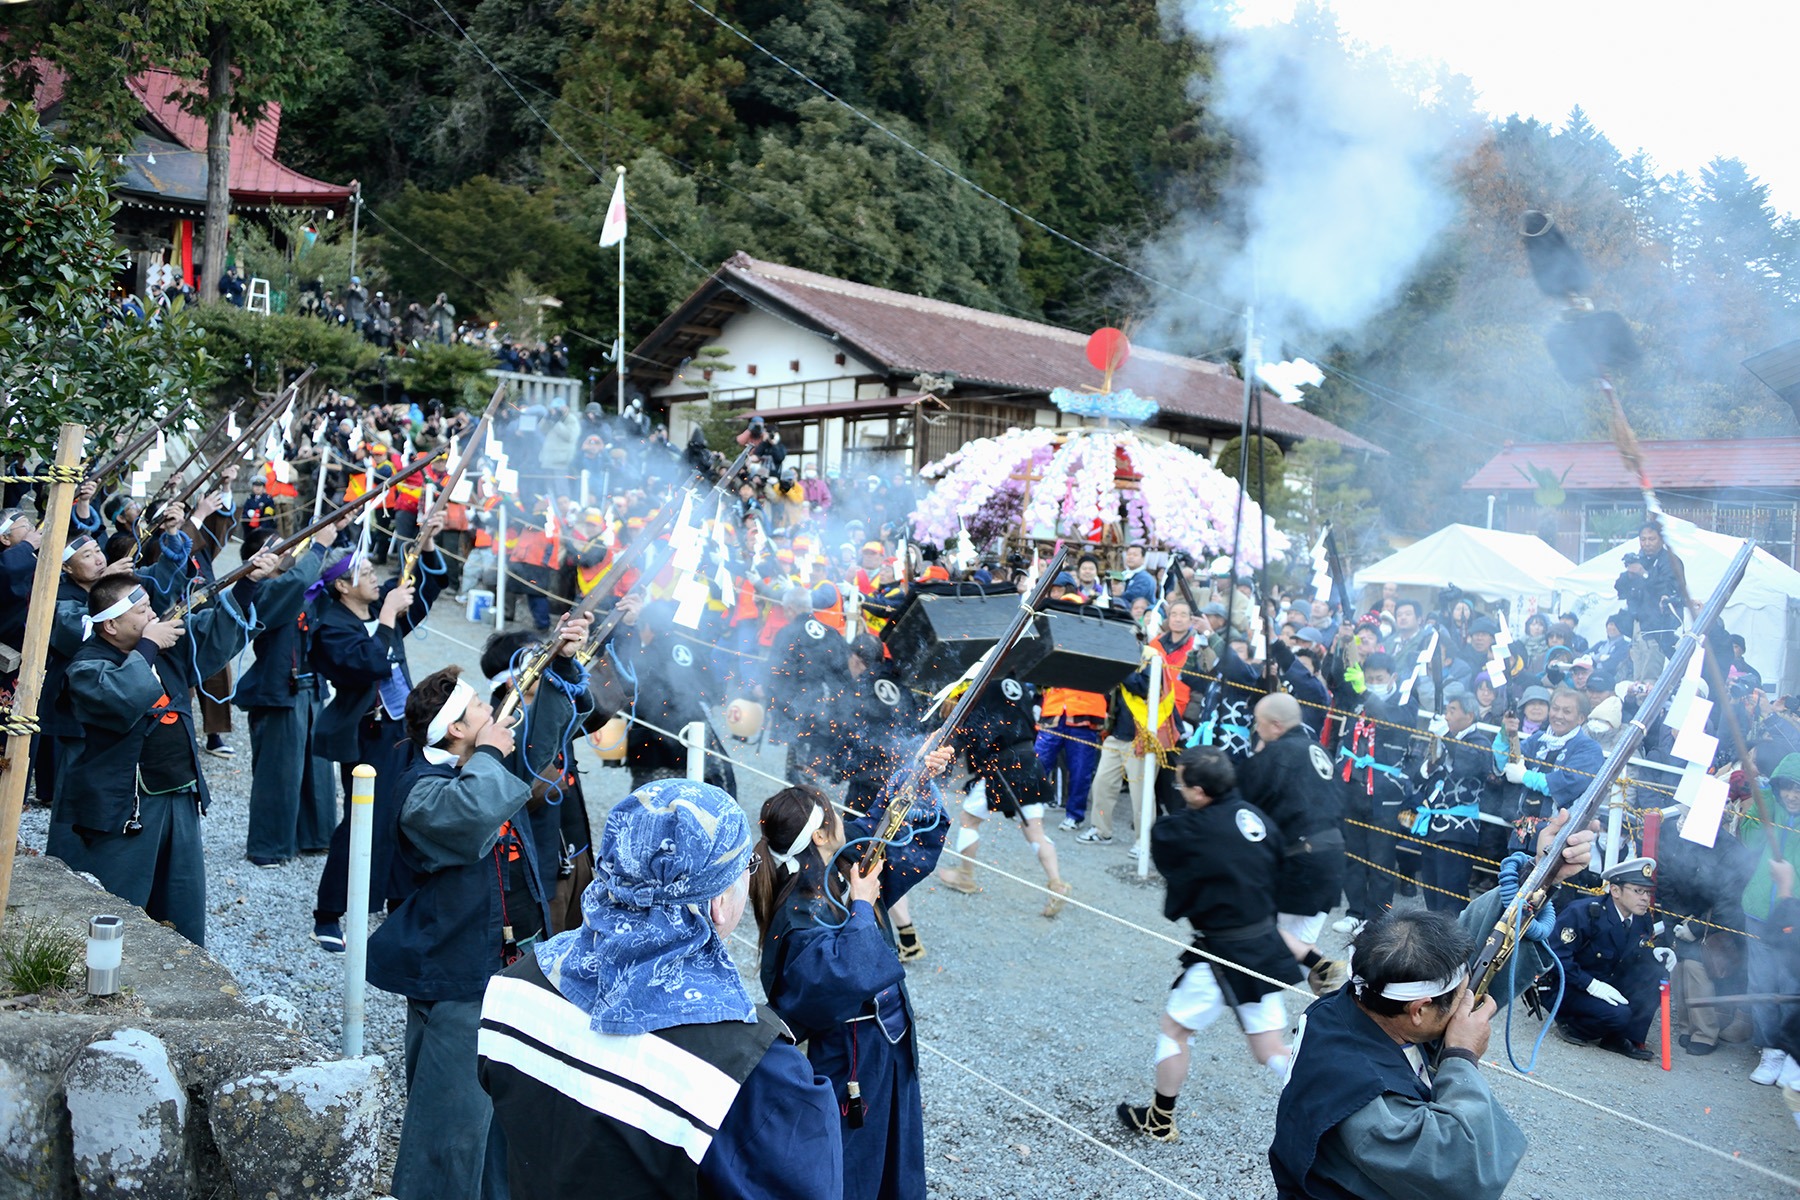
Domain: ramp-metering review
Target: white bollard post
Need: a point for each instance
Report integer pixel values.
(584, 487)
(500, 561)
(356, 920)
(1147, 793)
(693, 736)
(324, 470)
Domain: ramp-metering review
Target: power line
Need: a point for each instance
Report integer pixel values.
(807, 219)
(953, 172)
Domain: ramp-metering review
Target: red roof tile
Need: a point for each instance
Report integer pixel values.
(256, 178)
(904, 332)
(1595, 466)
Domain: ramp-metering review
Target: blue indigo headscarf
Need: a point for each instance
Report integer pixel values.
(647, 956)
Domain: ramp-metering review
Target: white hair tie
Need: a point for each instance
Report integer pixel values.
(791, 860)
(1429, 989)
(117, 608)
(453, 710)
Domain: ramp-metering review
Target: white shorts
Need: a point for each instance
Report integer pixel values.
(1305, 930)
(1196, 1002)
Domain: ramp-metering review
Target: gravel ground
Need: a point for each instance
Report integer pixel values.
(1062, 1012)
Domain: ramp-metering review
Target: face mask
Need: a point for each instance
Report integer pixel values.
(1384, 690)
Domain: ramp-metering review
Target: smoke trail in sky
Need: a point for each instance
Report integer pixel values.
(1342, 184)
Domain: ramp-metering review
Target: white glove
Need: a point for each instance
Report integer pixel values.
(1515, 772)
(1665, 956)
(1601, 990)
(1685, 932)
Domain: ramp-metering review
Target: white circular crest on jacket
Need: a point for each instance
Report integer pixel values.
(887, 691)
(682, 655)
(1321, 761)
(1011, 690)
(814, 629)
(1251, 826)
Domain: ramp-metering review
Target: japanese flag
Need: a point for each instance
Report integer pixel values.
(613, 232)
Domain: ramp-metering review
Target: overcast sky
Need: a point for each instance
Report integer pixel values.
(1685, 82)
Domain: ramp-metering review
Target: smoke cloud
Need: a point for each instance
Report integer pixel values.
(1345, 180)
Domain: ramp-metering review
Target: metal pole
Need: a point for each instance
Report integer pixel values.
(324, 471)
(1490, 510)
(693, 736)
(1147, 790)
(356, 919)
(619, 353)
(500, 561)
(355, 225)
(584, 487)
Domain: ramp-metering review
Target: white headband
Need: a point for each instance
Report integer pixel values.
(76, 547)
(453, 710)
(1429, 989)
(791, 860)
(503, 677)
(118, 608)
(6, 522)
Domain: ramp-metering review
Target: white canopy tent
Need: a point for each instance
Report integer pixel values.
(1758, 609)
(1486, 563)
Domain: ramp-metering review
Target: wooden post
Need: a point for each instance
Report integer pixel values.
(39, 612)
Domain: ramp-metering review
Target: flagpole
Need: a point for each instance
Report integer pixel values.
(619, 354)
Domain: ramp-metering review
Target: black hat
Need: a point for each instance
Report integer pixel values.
(1483, 625)
(1598, 682)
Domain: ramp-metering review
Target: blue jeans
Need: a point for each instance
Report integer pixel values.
(451, 1148)
(1082, 750)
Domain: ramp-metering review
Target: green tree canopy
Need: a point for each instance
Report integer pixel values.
(66, 353)
(482, 232)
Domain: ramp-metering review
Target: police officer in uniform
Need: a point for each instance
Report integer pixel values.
(1293, 780)
(1610, 963)
(1449, 812)
(1220, 857)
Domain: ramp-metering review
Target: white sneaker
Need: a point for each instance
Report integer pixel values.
(1770, 1068)
(1348, 925)
(1069, 823)
(1790, 1075)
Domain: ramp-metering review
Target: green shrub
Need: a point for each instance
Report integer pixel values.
(40, 956)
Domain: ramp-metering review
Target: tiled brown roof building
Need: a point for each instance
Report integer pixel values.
(839, 368)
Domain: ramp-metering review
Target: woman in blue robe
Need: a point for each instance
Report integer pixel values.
(837, 981)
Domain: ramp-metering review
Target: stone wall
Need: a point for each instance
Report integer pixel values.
(177, 1087)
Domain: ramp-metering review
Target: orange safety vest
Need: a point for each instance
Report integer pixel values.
(534, 548)
(1068, 703)
(275, 488)
(1175, 660)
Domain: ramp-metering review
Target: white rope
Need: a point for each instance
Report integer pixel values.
(1015, 1097)
(1082, 1134)
(1508, 1073)
(1504, 1072)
